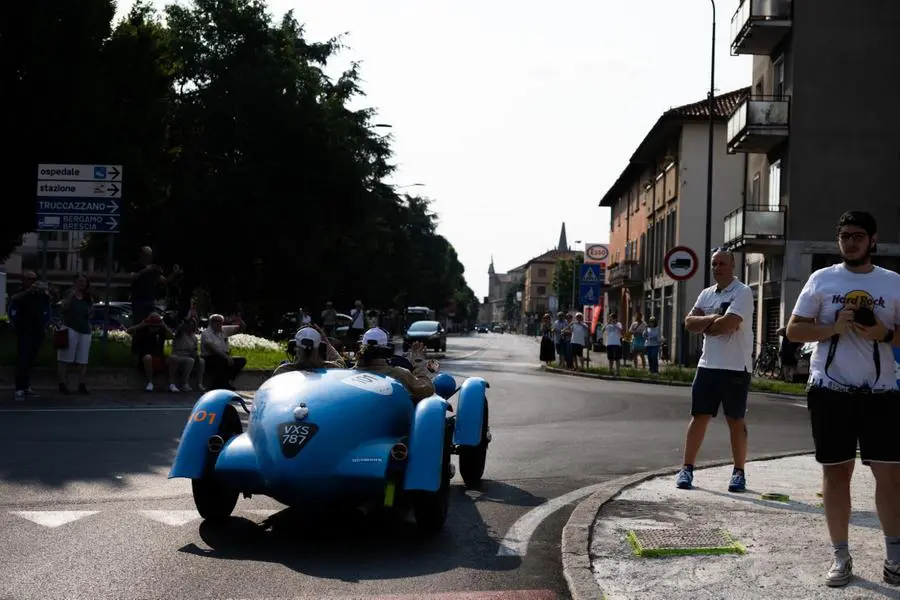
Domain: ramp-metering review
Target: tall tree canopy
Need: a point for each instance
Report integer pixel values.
(243, 161)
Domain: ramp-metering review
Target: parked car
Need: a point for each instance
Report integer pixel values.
(430, 333)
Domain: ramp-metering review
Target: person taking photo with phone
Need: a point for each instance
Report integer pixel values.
(852, 310)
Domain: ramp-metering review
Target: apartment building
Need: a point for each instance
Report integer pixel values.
(57, 258)
(539, 276)
(658, 202)
(819, 131)
(499, 284)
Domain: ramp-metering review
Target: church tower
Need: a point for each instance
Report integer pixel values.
(563, 242)
(491, 268)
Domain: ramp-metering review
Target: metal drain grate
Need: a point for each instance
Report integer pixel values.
(682, 541)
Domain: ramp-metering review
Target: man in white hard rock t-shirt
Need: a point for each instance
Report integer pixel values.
(852, 310)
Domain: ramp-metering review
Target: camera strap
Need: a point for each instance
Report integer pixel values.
(832, 349)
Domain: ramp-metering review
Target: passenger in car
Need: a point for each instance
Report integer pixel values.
(375, 353)
(308, 346)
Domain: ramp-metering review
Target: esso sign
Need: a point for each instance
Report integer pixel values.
(596, 252)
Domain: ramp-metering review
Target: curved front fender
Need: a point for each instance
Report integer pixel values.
(426, 445)
(203, 423)
(470, 412)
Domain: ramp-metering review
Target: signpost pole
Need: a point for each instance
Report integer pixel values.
(110, 242)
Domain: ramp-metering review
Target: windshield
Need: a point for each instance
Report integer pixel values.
(424, 326)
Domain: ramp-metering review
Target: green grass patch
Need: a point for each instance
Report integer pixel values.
(116, 353)
(677, 374)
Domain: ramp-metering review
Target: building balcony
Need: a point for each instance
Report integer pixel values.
(758, 26)
(759, 124)
(627, 274)
(756, 229)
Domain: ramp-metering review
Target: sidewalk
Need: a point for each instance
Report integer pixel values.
(785, 545)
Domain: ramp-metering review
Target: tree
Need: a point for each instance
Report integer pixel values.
(242, 160)
(562, 281)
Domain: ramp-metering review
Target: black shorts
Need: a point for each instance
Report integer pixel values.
(713, 387)
(842, 420)
(578, 350)
(614, 352)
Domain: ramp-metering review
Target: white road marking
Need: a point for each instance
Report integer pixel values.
(175, 518)
(515, 542)
(53, 518)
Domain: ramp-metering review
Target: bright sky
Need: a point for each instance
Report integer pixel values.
(517, 116)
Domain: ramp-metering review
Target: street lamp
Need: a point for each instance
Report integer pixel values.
(709, 159)
(574, 276)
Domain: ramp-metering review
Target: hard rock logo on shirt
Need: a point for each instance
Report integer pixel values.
(858, 299)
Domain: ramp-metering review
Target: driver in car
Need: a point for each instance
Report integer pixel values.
(374, 354)
(308, 347)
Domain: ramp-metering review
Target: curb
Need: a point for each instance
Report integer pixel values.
(577, 534)
(651, 381)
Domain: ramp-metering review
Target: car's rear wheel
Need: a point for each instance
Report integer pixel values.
(431, 508)
(472, 459)
(213, 500)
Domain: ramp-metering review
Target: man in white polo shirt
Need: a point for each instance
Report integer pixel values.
(723, 313)
(852, 311)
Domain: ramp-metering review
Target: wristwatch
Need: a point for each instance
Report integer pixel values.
(889, 337)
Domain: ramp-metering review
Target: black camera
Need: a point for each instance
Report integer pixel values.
(864, 316)
(723, 308)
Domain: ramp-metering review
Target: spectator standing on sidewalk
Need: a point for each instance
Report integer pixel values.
(852, 311)
(581, 337)
(653, 339)
(145, 277)
(29, 314)
(723, 313)
(612, 333)
(77, 309)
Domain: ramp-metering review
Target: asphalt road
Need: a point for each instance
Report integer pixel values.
(86, 510)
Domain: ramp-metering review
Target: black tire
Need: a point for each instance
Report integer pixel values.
(431, 508)
(472, 459)
(215, 502)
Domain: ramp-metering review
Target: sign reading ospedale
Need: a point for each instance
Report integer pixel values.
(596, 253)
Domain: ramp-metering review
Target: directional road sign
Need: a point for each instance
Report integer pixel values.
(79, 189)
(592, 276)
(680, 263)
(79, 197)
(73, 222)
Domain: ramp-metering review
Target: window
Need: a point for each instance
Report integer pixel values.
(778, 76)
(775, 185)
(542, 290)
(542, 272)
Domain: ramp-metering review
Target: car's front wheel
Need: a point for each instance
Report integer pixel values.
(431, 508)
(472, 459)
(213, 500)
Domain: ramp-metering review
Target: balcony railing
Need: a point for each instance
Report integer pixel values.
(758, 26)
(755, 228)
(759, 124)
(626, 275)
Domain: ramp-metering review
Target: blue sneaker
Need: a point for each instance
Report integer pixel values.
(738, 482)
(685, 479)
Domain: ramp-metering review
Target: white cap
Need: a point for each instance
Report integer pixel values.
(308, 337)
(375, 337)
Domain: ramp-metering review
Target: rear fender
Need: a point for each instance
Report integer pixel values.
(470, 412)
(426, 445)
(202, 424)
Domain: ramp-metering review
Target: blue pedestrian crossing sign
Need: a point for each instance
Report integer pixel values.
(592, 276)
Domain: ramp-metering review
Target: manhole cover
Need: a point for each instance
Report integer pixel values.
(682, 541)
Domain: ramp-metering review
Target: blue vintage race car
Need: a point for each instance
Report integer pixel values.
(336, 437)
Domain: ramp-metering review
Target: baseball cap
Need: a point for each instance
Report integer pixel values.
(375, 337)
(307, 337)
(859, 218)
